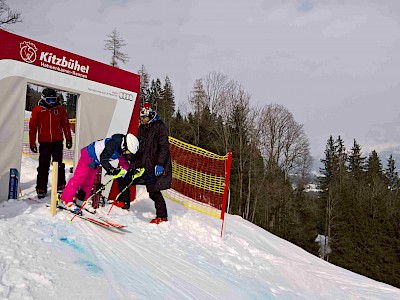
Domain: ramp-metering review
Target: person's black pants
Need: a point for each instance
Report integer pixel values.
(47, 151)
(127, 180)
(159, 203)
(123, 182)
(157, 197)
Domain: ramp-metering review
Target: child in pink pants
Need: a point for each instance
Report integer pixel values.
(98, 153)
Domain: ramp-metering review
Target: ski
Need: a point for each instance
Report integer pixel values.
(112, 223)
(106, 220)
(89, 219)
(33, 199)
(94, 221)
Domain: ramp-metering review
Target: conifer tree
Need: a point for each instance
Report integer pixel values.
(329, 165)
(180, 128)
(155, 93)
(374, 166)
(166, 105)
(144, 85)
(328, 192)
(114, 43)
(391, 174)
(356, 161)
(197, 99)
(29, 103)
(332, 185)
(341, 157)
(239, 124)
(71, 105)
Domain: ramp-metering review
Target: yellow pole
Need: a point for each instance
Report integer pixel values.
(54, 180)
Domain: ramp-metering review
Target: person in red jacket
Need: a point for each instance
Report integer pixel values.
(49, 121)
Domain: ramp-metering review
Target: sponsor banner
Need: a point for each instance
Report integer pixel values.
(35, 53)
(121, 95)
(13, 184)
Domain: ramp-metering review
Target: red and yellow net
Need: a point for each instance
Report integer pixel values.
(200, 178)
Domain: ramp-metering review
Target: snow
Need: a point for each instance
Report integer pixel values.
(312, 187)
(45, 257)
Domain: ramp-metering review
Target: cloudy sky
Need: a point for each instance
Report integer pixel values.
(334, 64)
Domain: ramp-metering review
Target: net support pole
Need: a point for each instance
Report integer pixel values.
(54, 179)
(223, 221)
(226, 188)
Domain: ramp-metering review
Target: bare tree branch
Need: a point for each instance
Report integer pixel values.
(283, 141)
(8, 16)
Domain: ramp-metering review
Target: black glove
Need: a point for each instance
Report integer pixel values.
(117, 172)
(68, 144)
(33, 148)
(130, 172)
(113, 171)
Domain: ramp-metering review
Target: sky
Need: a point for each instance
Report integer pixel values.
(332, 63)
(45, 257)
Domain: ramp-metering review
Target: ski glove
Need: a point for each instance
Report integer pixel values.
(135, 173)
(138, 173)
(33, 148)
(116, 172)
(158, 170)
(68, 144)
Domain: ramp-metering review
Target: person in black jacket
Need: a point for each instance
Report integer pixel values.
(154, 155)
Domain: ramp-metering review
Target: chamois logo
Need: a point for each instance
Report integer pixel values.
(28, 52)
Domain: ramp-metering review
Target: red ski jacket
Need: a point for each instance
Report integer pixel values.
(50, 123)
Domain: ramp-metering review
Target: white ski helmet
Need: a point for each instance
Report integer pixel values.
(131, 143)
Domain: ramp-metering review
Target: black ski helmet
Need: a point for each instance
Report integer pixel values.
(49, 95)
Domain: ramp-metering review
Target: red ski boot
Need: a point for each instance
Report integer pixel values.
(158, 220)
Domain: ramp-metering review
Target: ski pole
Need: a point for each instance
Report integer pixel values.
(137, 175)
(84, 203)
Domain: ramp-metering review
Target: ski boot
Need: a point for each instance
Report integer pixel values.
(68, 206)
(158, 220)
(123, 205)
(41, 193)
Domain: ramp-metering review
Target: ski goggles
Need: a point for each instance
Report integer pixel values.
(50, 100)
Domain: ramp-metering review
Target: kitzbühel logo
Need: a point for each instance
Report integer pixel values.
(52, 61)
(125, 96)
(28, 52)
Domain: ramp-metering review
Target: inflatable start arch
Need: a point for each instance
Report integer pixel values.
(108, 100)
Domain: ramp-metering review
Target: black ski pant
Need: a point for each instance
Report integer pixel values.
(47, 151)
(123, 182)
(159, 203)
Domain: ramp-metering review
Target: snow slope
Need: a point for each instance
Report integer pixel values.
(45, 257)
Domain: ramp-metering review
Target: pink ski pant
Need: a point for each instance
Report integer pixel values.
(83, 178)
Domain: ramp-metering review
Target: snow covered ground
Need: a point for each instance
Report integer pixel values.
(45, 257)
